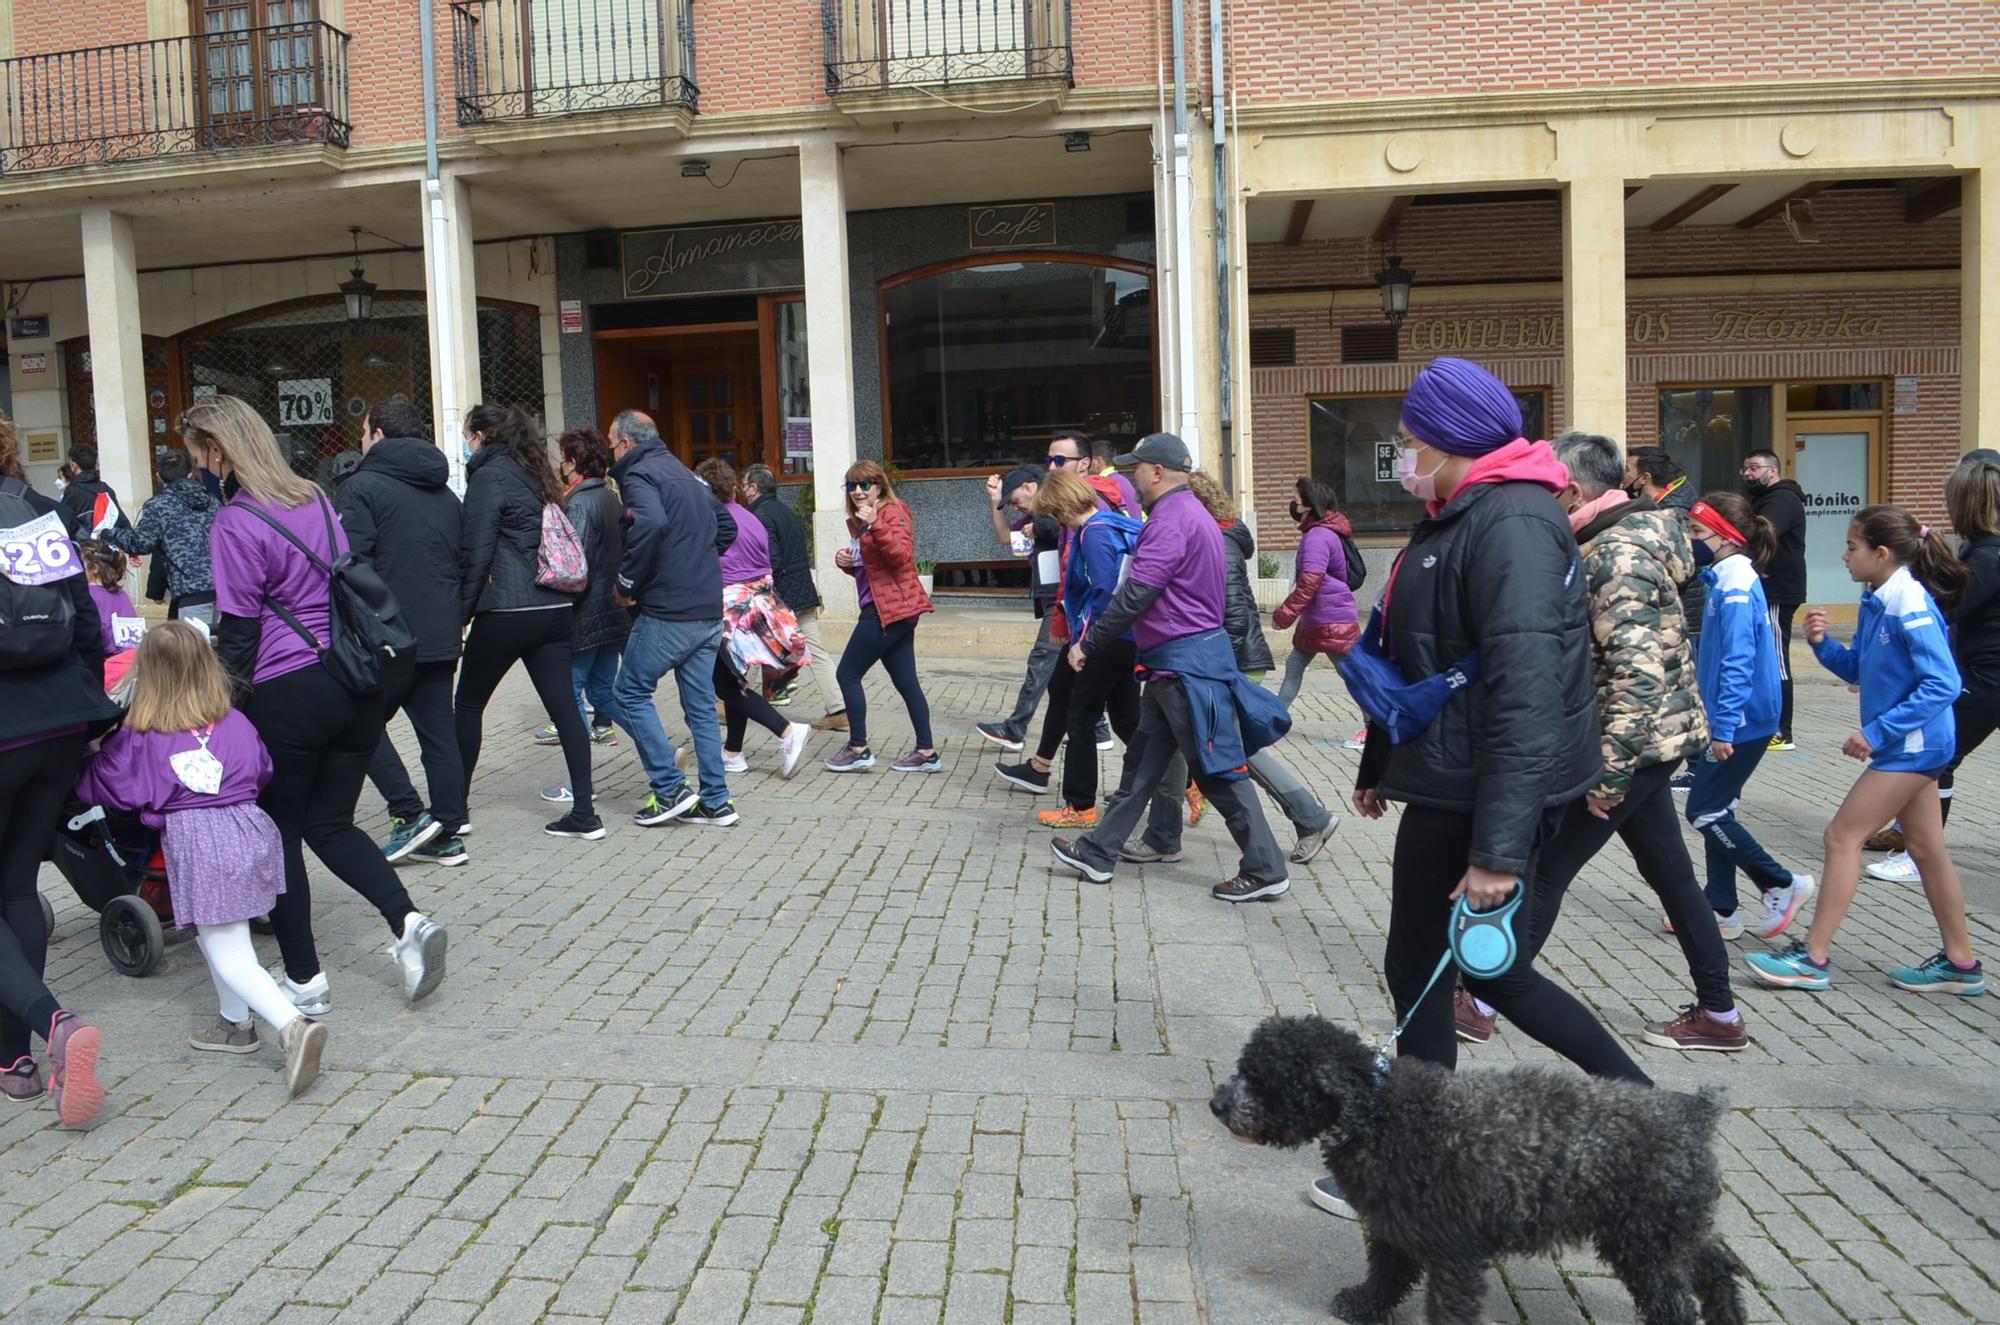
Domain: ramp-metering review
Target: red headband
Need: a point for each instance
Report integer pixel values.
(1711, 519)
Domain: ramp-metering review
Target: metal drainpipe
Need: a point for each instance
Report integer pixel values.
(1218, 104)
(438, 257)
(1190, 426)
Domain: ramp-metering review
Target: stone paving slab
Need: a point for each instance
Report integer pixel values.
(866, 1058)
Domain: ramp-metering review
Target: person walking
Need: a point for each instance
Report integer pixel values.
(1738, 680)
(271, 545)
(509, 486)
(1902, 661)
(89, 498)
(671, 574)
(1321, 601)
(597, 642)
(881, 555)
(792, 579)
(1653, 474)
(119, 621)
(173, 530)
(757, 631)
(398, 513)
(1778, 499)
(1173, 601)
(52, 702)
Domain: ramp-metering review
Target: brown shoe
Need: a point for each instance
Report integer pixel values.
(1695, 1028)
(832, 722)
(1474, 1026)
(1889, 839)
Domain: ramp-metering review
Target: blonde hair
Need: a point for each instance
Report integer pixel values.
(176, 684)
(10, 449)
(230, 426)
(1065, 496)
(1210, 494)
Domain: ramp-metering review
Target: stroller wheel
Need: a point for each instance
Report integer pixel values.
(131, 935)
(48, 915)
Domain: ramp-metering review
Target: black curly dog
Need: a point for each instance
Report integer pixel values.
(1448, 1171)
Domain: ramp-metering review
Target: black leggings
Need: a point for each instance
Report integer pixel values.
(1977, 714)
(1107, 686)
(741, 707)
(320, 738)
(1433, 848)
(35, 780)
(895, 647)
(539, 640)
(1782, 615)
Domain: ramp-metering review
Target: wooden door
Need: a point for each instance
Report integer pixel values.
(716, 406)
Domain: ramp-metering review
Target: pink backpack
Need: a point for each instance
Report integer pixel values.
(560, 565)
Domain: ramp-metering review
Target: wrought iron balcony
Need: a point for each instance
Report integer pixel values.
(209, 92)
(518, 59)
(880, 45)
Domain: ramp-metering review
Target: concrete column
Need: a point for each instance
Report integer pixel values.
(1979, 307)
(117, 359)
(452, 308)
(1594, 303)
(1203, 317)
(830, 355)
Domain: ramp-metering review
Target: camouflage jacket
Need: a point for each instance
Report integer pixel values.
(1635, 557)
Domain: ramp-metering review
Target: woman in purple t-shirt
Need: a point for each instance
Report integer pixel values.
(270, 547)
(757, 630)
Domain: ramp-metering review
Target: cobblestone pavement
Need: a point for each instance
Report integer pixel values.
(866, 1058)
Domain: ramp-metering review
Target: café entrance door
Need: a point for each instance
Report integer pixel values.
(702, 386)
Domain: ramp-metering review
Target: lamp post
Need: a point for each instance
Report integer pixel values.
(359, 291)
(1394, 281)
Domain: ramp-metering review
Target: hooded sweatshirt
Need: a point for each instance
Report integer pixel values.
(174, 522)
(1784, 504)
(399, 514)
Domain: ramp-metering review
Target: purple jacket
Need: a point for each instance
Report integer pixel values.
(132, 771)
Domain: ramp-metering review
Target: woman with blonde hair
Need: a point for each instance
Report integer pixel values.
(271, 546)
(881, 555)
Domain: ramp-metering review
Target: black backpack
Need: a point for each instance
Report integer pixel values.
(1357, 569)
(367, 623)
(37, 621)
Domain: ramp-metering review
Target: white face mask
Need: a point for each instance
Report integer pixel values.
(1421, 486)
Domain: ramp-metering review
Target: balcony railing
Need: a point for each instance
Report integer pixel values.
(877, 45)
(522, 58)
(210, 92)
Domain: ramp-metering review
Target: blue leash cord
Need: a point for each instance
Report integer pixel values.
(1444, 964)
(1482, 943)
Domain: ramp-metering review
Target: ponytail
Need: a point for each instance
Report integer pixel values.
(1921, 548)
(1760, 536)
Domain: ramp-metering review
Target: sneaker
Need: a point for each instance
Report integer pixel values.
(919, 761)
(712, 816)
(420, 953)
(314, 998)
(792, 747)
(1196, 803)
(1682, 782)
(1889, 839)
(1936, 975)
(1358, 741)
(653, 811)
(604, 736)
(734, 763)
(406, 835)
(1064, 849)
(1240, 889)
(1782, 904)
(1024, 775)
(1782, 745)
(1789, 968)
(304, 1041)
(1698, 1028)
(22, 1082)
(441, 851)
(588, 827)
(464, 830)
(1898, 868)
(559, 794)
(781, 698)
(1326, 1194)
(847, 759)
(1104, 736)
(547, 736)
(830, 722)
(998, 734)
(226, 1037)
(1311, 844)
(1141, 854)
(1067, 817)
(73, 1085)
(1473, 1026)
(1731, 925)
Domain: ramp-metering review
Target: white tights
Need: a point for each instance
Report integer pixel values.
(241, 982)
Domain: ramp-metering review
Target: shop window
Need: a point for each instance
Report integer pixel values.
(1805, 397)
(1353, 441)
(1710, 429)
(985, 361)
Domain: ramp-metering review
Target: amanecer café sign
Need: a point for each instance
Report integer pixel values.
(1724, 326)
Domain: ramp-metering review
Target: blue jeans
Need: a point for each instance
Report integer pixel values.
(1711, 808)
(592, 673)
(687, 649)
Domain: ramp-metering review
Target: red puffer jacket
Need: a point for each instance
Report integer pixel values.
(889, 552)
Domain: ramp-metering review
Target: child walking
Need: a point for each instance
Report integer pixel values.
(1902, 661)
(1737, 674)
(120, 622)
(191, 767)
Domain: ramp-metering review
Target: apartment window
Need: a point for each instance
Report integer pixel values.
(1353, 448)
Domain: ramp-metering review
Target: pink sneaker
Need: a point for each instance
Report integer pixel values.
(73, 1083)
(21, 1083)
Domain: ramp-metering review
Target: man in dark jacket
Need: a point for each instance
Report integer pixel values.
(173, 530)
(89, 498)
(1783, 502)
(671, 573)
(399, 514)
(791, 579)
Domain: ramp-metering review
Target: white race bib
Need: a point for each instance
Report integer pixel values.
(198, 770)
(38, 552)
(127, 631)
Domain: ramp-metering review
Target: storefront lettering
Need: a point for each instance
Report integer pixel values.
(1014, 225)
(653, 258)
(1458, 334)
(1757, 324)
(1728, 325)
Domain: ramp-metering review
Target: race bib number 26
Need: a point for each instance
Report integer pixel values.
(38, 552)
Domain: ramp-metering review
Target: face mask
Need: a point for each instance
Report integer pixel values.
(1421, 486)
(1704, 555)
(61, 484)
(1756, 485)
(1297, 514)
(465, 451)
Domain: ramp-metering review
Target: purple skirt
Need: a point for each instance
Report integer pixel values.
(223, 864)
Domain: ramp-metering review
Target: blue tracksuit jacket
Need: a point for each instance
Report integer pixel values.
(1737, 672)
(1901, 657)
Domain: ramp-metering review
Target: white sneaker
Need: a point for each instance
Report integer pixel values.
(420, 954)
(1782, 905)
(314, 998)
(734, 763)
(1326, 1194)
(1898, 868)
(794, 746)
(1731, 925)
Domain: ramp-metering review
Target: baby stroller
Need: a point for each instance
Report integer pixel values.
(113, 864)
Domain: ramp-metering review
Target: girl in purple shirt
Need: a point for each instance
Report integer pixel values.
(191, 766)
(757, 631)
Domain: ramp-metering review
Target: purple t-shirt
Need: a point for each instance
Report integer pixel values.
(134, 770)
(253, 561)
(749, 557)
(1180, 553)
(110, 603)
(1320, 550)
(861, 589)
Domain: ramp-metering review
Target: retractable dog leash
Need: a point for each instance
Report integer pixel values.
(1479, 943)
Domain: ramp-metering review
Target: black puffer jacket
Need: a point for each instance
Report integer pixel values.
(399, 514)
(503, 537)
(69, 692)
(1496, 570)
(1975, 618)
(81, 495)
(594, 512)
(174, 523)
(1240, 616)
(791, 567)
(1784, 505)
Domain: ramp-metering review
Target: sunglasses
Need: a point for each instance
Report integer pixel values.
(1058, 461)
(859, 487)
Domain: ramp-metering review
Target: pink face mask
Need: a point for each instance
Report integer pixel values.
(1421, 486)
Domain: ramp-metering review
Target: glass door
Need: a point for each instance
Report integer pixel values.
(258, 68)
(1835, 464)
